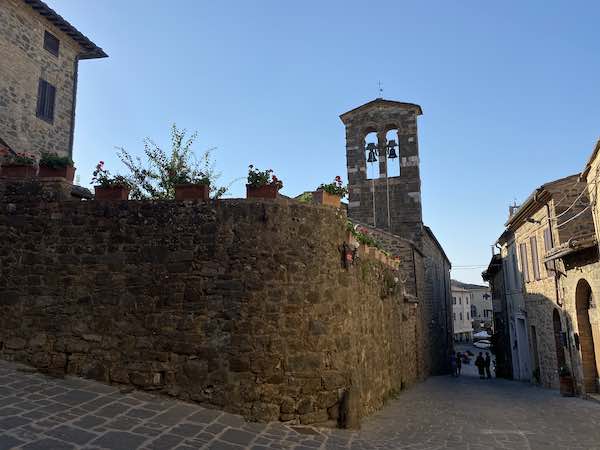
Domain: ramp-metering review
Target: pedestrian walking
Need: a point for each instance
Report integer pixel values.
(488, 363)
(480, 363)
(453, 364)
(458, 363)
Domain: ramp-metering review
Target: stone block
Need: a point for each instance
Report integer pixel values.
(314, 417)
(15, 344)
(264, 412)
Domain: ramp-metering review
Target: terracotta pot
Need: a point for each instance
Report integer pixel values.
(111, 193)
(325, 198)
(566, 386)
(19, 171)
(67, 172)
(267, 191)
(192, 192)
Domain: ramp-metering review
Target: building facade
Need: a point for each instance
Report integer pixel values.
(501, 341)
(382, 137)
(39, 54)
(482, 313)
(543, 238)
(461, 314)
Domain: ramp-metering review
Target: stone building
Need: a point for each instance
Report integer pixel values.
(501, 343)
(39, 54)
(382, 134)
(480, 300)
(461, 313)
(541, 238)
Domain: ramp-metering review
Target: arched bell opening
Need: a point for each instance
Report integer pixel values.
(392, 152)
(371, 150)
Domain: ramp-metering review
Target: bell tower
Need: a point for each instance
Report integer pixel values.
(382, 155)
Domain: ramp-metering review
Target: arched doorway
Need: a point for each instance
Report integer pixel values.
(560, 351)
(583, 300)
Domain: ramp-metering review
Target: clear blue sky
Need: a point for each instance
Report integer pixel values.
(510, 92)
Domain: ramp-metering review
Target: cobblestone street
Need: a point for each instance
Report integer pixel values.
(37, 412)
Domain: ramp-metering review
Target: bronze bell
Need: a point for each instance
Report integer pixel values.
(371, 148)
(392, 149)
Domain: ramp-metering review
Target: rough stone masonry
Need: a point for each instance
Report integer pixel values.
(244, 305)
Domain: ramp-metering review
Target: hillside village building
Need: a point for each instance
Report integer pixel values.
(461, 314)
(541, 281)
(39, 54)
(480, 301)
(254, 307)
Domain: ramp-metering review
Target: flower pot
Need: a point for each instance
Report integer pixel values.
(67, 172)
(325, 198)
(192, 192)
(566, 386)
(266, 191)
(18, 171)
(111, 192)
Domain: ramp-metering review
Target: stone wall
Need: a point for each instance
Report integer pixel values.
(582, 267)
(24, 62)
(241, 304)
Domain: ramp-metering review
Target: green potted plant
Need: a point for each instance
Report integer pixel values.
(54, 166)
(21, 165)
(262, 183)
(566, 382)
(191, 187)
(330, 194)
(109, 187)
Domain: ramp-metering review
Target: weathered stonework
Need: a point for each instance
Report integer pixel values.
(241, 304)
(542, 231)
(381, 116)
(396, 222)
(23, 62)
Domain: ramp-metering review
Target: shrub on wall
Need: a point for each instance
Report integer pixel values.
(157, 177)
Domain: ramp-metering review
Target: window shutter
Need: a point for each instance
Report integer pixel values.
(550, 265)
(51, 93)
(51, 43)
(41, 98)
(46, 100)
(524, 264)
(534, 258)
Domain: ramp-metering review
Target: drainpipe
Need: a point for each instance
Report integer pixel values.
(73, 104)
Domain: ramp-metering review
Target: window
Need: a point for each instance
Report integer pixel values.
(461, 316)
(524, 264)
(535, 262)
(454, 316)
(45, 101)
(454, 300)
(467, 300)
(468, 315)
(460, 300)
(550, 265)
(51, 43)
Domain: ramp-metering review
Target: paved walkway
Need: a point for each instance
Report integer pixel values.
(37, 412)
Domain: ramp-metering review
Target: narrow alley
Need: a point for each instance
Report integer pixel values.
(37, 412)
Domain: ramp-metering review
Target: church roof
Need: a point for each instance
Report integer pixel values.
(381, 102)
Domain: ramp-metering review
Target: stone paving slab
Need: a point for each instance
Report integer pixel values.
(42, 413)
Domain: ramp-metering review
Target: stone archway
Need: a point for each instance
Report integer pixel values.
(558, 342)
(583, 301)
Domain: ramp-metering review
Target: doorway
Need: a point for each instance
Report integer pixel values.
(583, 300)
(560, 351)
